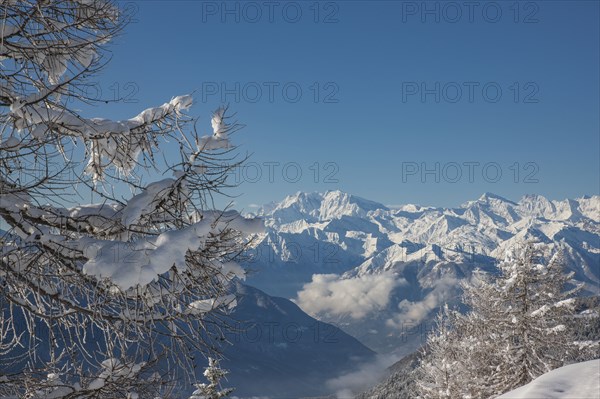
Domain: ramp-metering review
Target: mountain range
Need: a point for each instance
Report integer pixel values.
(380, 273)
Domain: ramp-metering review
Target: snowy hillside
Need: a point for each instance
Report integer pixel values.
(581, 381)
(380, 273)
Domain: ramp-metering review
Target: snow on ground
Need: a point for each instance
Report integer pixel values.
(580, 381)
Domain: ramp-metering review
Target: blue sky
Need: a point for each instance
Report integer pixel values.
(387, 91)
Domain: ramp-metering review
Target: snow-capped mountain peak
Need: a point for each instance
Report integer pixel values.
(313, 207)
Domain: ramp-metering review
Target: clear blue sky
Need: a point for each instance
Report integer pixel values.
(368, 123)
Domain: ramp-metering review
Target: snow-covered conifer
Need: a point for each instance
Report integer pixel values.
(212, 390)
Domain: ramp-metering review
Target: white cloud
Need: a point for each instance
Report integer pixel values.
(415, 312)
(357, 296)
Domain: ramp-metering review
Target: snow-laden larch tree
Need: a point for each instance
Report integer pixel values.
(438, 374)
(520, 325)
(112, 298)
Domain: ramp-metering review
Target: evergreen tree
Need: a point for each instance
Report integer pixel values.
(212, 390)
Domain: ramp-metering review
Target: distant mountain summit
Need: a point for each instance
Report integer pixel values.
(313, 207)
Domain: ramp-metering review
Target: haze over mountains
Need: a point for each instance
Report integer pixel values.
(381, 273)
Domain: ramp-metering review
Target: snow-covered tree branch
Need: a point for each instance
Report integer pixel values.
(130, 281)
